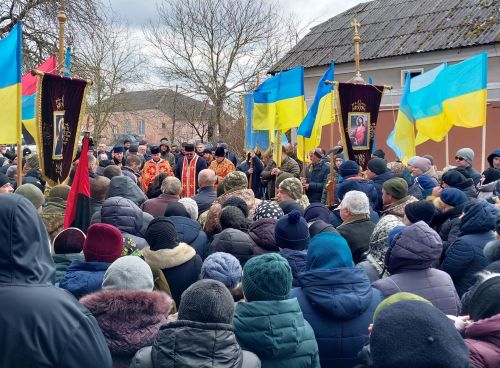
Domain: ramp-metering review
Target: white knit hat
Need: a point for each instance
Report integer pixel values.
(191, 207)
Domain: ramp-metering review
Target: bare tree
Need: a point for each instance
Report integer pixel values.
(215, 48)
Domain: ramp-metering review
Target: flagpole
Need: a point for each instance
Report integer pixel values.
(19, 138)
(483, 149)
(303, 156)
(447, 148)
(279, 149)
(61, 18)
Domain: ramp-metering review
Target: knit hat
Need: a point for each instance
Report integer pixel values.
(104, 243)
(235, 242)
(395, 298)
(191, 207)
(328, 251)
(421, 163)
(320, 226)
(60, 191)
(176, 209)
(485, 302)
(282, 176)
(396, 187)
(349, 168)
(377, 166)
(379, 153)
(237, 202)
(32, 161)
(32, 193)
(453, 197)
(219, 152)
(235, 180)
(207, 301)
(490, 175)
(69, 240)
(118, 149)
(128, 273)
(415, 334)
(467, 154)
(268, 209)
(232, 217)
(454, 178)
(292, 187)
(11, 171)
(222, 267)
(419, 211)
(133, 149)
(4, 179)
(267, 277)
(161, 234)
(317, 211)
(290, 205)
(292, 232)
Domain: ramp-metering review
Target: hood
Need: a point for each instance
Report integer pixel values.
(123, 186)
(416, 247)
(382, 178)
(262, 234)
(187, 229)
(234, 242)
(24, 245)
(297, 259)
(168, 258)
(479, 217)
(342, 293)
(122, 213)
(495, 153)
(492, 250)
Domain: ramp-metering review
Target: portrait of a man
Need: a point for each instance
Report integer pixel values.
(57, 150)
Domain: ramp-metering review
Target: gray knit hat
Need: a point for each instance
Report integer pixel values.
(222, 267)
(207, 301)
(32, 193)
(128, 273)
(467, 154)
(191, 207)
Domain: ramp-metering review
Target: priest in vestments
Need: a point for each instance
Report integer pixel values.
(154, 167)
(221, 165)
(187, 170)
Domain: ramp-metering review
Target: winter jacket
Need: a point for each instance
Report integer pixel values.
(83, 278)
(156, 206)
(447, 224)
(190, 232)
(277, 333)
(53, 216)
(262, 234)
(291, 166)
(62, 262)
(317, 176)
(464, 258)
(42, 326)
(378, 181)
(123, 186)
(485, 191)
(180, 265)
(204, 198)
(258, 167)
(339, 305)
(95, 206)
(268, 180)
(129, 319)
(398, 208)
(186, 344)
(473, 174)
(234, 242)
(127, 171)
(409, 262)
(357, 231)
(297, 260)
(483, 340)
(360, 184)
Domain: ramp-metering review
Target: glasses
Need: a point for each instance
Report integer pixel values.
(458, 158)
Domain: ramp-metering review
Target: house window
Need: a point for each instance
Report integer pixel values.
(128, 126)
(163, 125)
(115, 129)
(413, 73)
(141, 127)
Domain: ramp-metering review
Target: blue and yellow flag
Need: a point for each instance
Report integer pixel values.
(279, 102)
(10, 86)
(320, 114)
(254, 139)
(456, 96)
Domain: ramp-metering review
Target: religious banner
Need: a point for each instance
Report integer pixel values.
(60, 109)
(358, 106)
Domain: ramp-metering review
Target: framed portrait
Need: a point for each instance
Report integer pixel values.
(57, 143)
(359, 130)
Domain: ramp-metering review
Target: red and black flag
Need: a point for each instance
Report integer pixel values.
(78, 205)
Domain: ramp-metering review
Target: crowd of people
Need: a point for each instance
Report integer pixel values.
(194, 258)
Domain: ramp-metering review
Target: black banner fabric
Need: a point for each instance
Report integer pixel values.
(60, 109)
(358, 105)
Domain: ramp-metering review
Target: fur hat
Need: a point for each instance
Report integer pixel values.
(235, 180)
(191, 207)
(128, 273)
(292, 232)
(104, 243)
(349, 168)
(69, 240)
(219, 152)
(467, 154)
(32, 193)
(155, 150)
(292, 187)
(396, 187)
(161, 234)
(222, 267)
(268, 209)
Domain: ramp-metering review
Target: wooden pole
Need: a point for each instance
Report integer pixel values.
(304, 156)
(61, 18)
(279, 148)
(357, 51)
(483, 149)
(447, 148)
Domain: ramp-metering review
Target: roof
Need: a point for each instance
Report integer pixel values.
(162, 100)
(397, 27)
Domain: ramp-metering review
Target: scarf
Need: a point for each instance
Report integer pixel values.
(189, 176)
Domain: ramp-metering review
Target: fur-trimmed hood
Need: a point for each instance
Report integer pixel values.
(168, 258)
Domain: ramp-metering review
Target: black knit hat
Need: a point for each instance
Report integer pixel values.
(377, 166)
(207, 301)
(419, 211)
(292, 232)
(176, 209)
(219, 152)
(454, 178)
(289, 205)
(349, 168)
(415, 334)
(237, 202)
(485, 302)
(161, 234)
(379, 153)
(232, 217)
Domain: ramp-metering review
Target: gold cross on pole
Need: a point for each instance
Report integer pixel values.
(357, 40)
(355, 23)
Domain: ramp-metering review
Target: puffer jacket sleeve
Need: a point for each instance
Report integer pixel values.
(142, 359)
(457, 258)
(250, 360)
(452, 230)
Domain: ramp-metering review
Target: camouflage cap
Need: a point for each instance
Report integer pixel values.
(32, 161)
(292, 186)
(235, 180)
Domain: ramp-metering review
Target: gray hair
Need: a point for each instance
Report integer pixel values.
(206, 178)
(171, 185)
(356, 202)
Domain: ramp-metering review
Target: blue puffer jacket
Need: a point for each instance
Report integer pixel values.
(189, 231)
(297, 259)
(316, 177)
(83, 278)
(464, 258)
(362, 185)
(378, 181)
(339, 306)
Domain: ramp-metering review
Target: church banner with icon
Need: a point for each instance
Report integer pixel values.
(60, 109)
(358, 106)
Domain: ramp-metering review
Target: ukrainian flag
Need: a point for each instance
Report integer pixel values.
(10, 86)
(254, 139)
(279, 102)
(320, 114)
(456, 96)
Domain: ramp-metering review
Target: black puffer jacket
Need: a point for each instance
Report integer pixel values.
(262, 234)
(184, 344)
(234, 242)
(42, 326)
